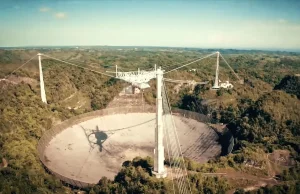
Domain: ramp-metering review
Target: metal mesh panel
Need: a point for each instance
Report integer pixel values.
(51, 133)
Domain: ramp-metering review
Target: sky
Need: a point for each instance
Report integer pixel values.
(253, 24)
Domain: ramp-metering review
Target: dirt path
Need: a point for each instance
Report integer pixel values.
(71, 96)
(237, 176)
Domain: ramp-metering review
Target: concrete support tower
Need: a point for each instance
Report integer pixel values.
(43, 93)
(216, 84)
(159, 169)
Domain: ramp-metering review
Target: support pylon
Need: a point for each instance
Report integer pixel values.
(216, 84)
(159, 157)
(42, 85)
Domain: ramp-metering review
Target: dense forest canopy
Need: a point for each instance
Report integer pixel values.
(263, 114)
(290, 84)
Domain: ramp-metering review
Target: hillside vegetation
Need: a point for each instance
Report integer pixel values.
(262, 114)
(290, 84)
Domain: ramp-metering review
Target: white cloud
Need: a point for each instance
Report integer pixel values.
(44, 9)
(282, 21)
(60, 15)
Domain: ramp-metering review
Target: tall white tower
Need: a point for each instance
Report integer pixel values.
(141, 79)
(216, 84)
(43, 93)
(159, 169)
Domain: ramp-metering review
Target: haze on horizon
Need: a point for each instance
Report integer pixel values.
(206, 24)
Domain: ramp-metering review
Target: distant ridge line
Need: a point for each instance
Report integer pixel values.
(234, 50)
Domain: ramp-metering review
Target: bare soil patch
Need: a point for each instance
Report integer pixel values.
(282, 158)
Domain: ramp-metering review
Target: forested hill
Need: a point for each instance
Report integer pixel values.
(263, 115)
(290, 84)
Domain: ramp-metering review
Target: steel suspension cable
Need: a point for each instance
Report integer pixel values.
(80, 66)
(174, 162)
(20, 66)
(179, 63)
(230, 67)
(178, 144)
(176, 135)
(168, 151)
(191, 62)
